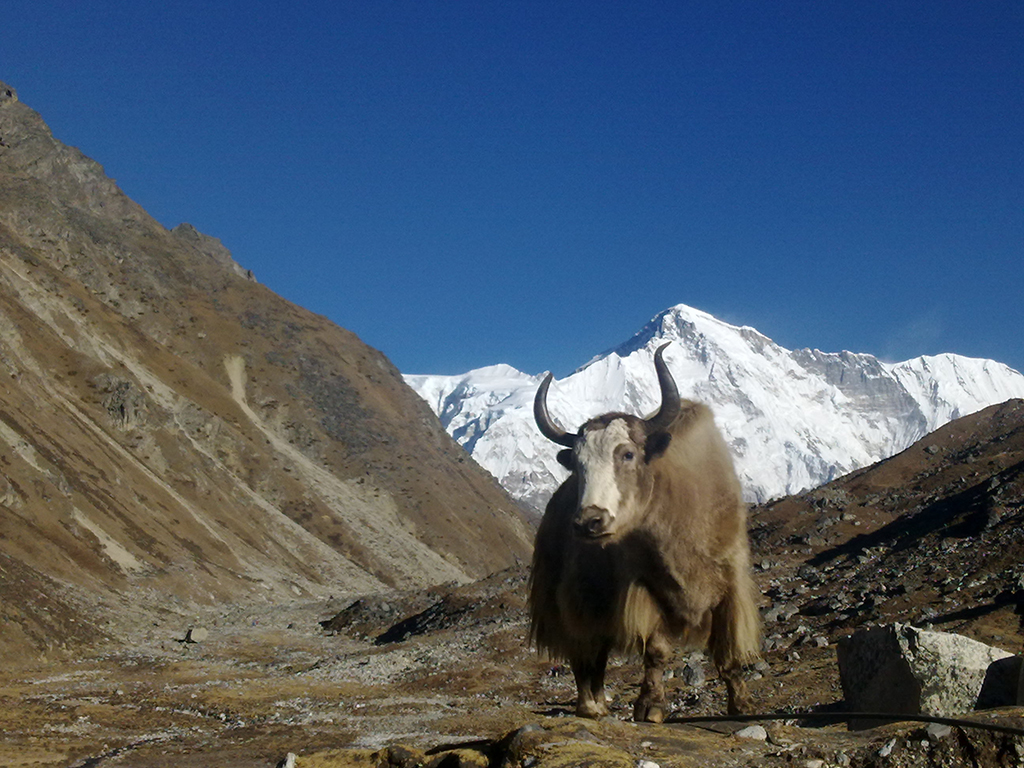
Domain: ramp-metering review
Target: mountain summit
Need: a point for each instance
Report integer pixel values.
(171, 431)
(794, 419)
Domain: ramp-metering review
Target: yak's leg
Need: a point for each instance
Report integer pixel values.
(589, 674)
(736, 687)
(735, 638)
(650, 706)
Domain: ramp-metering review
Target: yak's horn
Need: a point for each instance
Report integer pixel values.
(669, 394)
(547, 426)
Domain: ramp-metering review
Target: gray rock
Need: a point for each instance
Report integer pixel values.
(123, 400)
(780, 612)
(197, 635)
(904, 670)
(752, 732)
(692, 673)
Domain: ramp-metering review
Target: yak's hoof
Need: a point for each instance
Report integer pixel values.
(740, 706)
(648, 712)
(591, 709)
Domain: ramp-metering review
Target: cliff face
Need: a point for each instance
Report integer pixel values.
(170, 426)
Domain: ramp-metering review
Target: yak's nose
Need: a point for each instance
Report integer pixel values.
(593, 522)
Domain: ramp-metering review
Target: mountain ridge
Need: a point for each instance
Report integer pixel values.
(171, 430)
(794, 418)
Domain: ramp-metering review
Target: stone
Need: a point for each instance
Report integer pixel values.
(692, 673)
(752, 732)
(1020, 681)
(197, 635)
(400, 756)
(780, 612)
(905, 670)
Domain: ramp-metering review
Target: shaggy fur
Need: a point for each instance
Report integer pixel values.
(675, 568)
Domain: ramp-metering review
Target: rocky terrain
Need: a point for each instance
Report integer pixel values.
(932, 536)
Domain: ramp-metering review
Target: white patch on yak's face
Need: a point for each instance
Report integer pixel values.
(606, 461)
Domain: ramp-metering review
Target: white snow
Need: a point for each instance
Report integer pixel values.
(794, 419)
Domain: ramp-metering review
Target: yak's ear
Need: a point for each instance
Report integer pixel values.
(566, 459)
(656, 445)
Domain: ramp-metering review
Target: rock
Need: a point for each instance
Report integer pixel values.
(400, 756)
(904, 670)
(1002, 683)
(809, 574)
(559, 744)
(1019, 699)
(123, 400)
(937, 731)
(460, 758)
(752, 732)
(780, 612)
(197, 635)
(692, 673)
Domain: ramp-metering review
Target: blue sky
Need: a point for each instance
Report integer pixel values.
(466, 183)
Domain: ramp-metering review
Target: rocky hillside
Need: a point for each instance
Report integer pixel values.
(172, 431)
(933, 535)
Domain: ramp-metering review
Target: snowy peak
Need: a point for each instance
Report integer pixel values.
(794, 419)
(949, 386)
(693, 329)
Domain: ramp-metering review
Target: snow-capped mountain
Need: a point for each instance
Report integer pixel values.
(794, 419)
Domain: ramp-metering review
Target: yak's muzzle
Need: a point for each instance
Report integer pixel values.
(593, 522)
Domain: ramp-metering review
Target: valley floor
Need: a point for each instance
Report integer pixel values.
(268, 681)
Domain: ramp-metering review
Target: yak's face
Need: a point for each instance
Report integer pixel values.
(611, 458)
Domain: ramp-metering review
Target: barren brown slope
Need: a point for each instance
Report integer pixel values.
(169, 427)
(933, 536)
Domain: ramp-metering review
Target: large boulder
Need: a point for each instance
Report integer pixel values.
(901, 669)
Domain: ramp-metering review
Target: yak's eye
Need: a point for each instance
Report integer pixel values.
(627, 456)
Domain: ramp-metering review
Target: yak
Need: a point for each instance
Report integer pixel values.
(644, 544)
